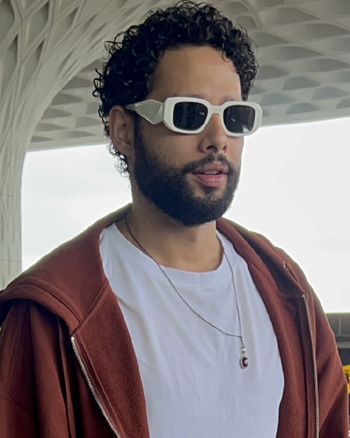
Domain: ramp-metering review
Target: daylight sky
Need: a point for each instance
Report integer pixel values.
(294, 189)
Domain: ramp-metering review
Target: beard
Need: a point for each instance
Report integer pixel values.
(167, 187)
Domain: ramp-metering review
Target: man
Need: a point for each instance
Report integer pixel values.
(164, 320)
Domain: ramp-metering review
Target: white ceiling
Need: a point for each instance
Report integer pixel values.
(303, 51)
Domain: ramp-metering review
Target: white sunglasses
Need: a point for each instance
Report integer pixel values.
(190, 115)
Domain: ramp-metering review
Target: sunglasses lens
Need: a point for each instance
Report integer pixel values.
(189, 116)
(239, 119)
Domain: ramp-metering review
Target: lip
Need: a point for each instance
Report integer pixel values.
(211, 175)
(212, 167)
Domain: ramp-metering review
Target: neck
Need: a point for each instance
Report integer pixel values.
(171, 243)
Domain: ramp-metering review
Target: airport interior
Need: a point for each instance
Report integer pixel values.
(49, 50)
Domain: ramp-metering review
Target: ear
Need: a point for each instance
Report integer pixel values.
(121, 130)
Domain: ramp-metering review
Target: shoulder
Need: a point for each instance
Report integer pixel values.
(258, 249)
(67, 281)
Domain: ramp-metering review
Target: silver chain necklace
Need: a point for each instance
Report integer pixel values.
(243, 361)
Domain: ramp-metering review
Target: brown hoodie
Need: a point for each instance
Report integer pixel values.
(68, 368)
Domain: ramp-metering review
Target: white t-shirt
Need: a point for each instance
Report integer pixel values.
(193, 383)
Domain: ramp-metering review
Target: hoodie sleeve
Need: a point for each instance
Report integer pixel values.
(33, 389)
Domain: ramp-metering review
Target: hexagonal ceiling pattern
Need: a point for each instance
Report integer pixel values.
(303, 51)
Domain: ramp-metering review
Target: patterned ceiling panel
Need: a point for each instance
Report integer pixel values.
(303, 49)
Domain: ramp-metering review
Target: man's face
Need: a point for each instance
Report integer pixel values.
(190, 177)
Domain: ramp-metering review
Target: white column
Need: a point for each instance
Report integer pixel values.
(10, 212)
(42, 47)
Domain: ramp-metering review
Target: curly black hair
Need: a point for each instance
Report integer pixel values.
(134, 54)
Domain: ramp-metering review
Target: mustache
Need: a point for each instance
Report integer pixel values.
(191, 167)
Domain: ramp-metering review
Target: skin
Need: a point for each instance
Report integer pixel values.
(187, 71)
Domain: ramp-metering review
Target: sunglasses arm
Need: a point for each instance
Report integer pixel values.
(150, 109)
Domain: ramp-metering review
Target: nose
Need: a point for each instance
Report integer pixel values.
(213, 137)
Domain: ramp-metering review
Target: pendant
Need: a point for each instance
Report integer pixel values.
(243, 361)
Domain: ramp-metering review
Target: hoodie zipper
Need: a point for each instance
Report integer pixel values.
(317, 405)
(92, 389)
(313, 353)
